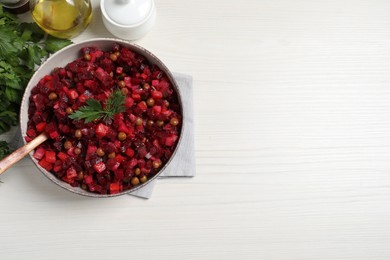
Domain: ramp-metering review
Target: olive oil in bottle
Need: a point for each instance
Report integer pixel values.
(62, 18)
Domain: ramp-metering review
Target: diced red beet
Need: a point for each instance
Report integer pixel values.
(157, 110)
(166, 112)
(65, 129)
(119, 158)
(119, 117)
(117, 144)
(141, 163)
(56, 105)
(119, 174)
(72, 94)
(91, 150)
(80, 87)
(96, 188)
(71, 173)
(140, 128)
(101, 130)
(132, 118)
(119, 70)
(133, 162)
(49, 85)
(123, 128)
(51, 127)
(39, 101)
(129, 152)
(67, 180)
(84, 131)
(90, 83)
(50, 156)
(31, 133)
(62, 156)
(115, 188)
(102, 75)
(110, 147)
(163, 85)
(127, 81)
(155, 83)
(48, 78)
(113, 164)
(41, 126)
(88, 179)
(95, 55)
(156, 143)
(99, 167)
(170, 140)
(142, 152)
(136, 97)
(54, 134)
(70, 152)
(39, 153)
(101, 179)
(145, 171)
(142, 105)
(45, 164)
(156, 94)
(57, 166)
(82, 98)
(129, 102)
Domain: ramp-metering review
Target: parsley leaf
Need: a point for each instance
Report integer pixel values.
(54, 44)
(4, 149)
(6, 45)
(7, 118)
(94, 110)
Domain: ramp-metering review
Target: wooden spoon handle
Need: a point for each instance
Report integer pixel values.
(17, 155)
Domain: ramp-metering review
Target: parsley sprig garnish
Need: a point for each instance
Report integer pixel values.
(94, 109)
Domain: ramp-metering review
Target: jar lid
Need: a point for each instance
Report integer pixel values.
(127, 12)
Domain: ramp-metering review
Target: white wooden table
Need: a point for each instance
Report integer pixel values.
(292, 110)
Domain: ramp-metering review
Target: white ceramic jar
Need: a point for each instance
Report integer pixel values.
(128, 19)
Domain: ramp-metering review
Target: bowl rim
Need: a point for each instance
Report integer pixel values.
(153, 59)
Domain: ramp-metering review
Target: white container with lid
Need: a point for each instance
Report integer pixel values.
(128, 19)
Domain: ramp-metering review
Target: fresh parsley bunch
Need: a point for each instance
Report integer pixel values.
(4, 149)
(23, 47)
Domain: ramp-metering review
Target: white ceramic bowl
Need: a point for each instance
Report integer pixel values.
(61, 59)
(128, 19)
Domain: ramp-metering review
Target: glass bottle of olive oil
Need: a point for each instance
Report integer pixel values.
(62, 18)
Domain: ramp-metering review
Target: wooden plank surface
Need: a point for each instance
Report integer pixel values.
(292, 144)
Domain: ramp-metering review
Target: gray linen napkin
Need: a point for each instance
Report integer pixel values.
(183, 164)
